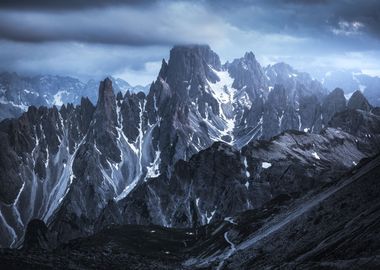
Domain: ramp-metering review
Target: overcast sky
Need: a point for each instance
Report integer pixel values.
(128, 39)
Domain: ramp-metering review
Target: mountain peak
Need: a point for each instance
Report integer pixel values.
(358, 102)
(105, 91)
(189, 65)
(249, 56)
(283, 68)
(106, 106)
(337, 92)
(247, 71)
(105, 85)
(197, 50)
(164, 69)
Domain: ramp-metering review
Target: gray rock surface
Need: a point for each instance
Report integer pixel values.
(288, 232)
(80, 168)
(358, 101)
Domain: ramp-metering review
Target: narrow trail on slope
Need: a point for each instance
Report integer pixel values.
(278, 224)
(230, 252)
(281, 221)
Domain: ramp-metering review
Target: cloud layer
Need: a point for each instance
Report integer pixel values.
(96, 38)
(135, 26)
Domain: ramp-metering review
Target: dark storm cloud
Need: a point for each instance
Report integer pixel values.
(83, 61)
(67, 4)
(158, 24)
(367, 13)
(102, 37)
(92, 41)
(307, 2)
(301, 17)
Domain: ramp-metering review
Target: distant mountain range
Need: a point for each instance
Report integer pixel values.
(207, 155)
(351, 81)
(17, 93)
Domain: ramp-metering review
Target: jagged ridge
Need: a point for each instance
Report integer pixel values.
(70, 166)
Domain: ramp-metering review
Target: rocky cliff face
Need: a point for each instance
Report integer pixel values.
(38, 237)
(82, 167)
(221, 180)
(358, 101)
(44, 144)
(333, 226)
(333, 103)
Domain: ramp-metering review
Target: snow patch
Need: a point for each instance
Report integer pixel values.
(315, 155)
(230, 220)
(266, 165)
(299, 122)
(154, 168)
(209, 217)
(225, 94)
(58, 97)
(246, 167)
(21, 106)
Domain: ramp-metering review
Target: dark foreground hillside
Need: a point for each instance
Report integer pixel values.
(336, 227)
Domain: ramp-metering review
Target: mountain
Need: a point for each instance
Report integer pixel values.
(335, 226)
(358, 101)
(80, 168)
(19, 92)
(352, 81)
(304, 233)
(221, 180)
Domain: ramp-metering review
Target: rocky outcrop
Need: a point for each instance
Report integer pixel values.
(103, 131)
(298, 83)
(358, 102)
(335, 227)
(362, 124)
(10, 181)
(222, 181)
(247, 72)
(37, 236)
(333, 103)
